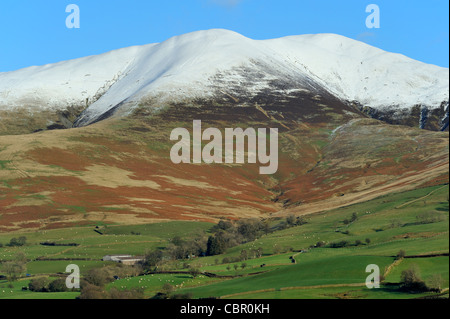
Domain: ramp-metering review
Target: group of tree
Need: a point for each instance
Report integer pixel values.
(168, 292)
(401, 254)
(184, 249)
(236, 266)
(44, 284)
(291, 221)
(224, 235)
(228, 234)
(428, 217)
(250, 253)
(343, 243)
(15, 267)
(411, 281)
(93, 284)
(245, 254)
(90, 291)
(16, 242)
(350, 220)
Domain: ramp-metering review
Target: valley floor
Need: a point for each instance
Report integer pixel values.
(293, 265)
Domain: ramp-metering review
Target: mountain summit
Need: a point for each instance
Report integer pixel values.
(211, 64)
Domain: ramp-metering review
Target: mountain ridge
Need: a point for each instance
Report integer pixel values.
(186, 67)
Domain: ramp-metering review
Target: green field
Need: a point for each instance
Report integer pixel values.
(391, 223)
(428, 266)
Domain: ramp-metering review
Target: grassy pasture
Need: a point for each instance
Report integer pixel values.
(390, 222)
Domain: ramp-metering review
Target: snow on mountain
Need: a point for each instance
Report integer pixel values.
(356, 71)
(185, 66)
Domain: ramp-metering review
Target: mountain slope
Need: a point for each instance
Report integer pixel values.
(211, 64)
(118, 171)
(115, 166)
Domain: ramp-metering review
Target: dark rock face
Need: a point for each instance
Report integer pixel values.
(424, 111)
(444, 121)
(28, 120)
(418, 116)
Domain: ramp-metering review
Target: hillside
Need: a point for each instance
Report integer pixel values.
(119, 170)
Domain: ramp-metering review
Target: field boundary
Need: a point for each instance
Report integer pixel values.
(294, 288)
(420, 198)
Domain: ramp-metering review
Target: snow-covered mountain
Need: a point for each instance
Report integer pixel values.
(203, 63)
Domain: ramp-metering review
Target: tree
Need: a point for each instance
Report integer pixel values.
(340, 244)
(367, 241)
(282, 225)
(194, 272)
(401, 254)
(411, 280)
(251, 229)
(215, 245)
(435, 283)
(396, 223)
(177, 241)
(89, 291)
(22, 240)
(320, 244)
(182, 296)
(38, 284)
(243, 255)
(243, 265)
(97, 277)
(266, 227)
(58, 285)
(20, 257)
(290, 220)
(167, 288)
(151, 259)
(224, 225)
(15, 267)
(133, 293)
(358, 242)
(301, 221)
(428, 217)
(17, 241)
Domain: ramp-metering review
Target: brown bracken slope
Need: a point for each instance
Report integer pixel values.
(119, 170)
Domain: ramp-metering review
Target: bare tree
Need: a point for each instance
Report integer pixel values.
(15, 267)
(435, 282)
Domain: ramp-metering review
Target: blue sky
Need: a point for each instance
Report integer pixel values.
(33, 32)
